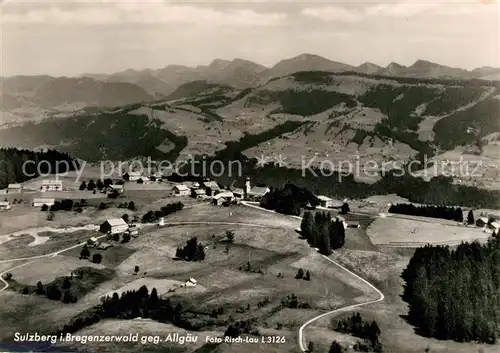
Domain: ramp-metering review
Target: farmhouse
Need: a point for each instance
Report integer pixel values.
(493, 227)
(14, 188)
(191, 283)
(181, 190)
(211, 187)
(220, 198)
(481, 221)
(51, 185)
(198, 193)
(5, 206)
(114, 226)
(41, 202)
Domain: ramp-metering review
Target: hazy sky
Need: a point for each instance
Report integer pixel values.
(72, 37)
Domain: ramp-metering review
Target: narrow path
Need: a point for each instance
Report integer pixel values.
(301, 339)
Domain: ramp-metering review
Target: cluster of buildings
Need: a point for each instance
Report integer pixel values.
(219, 195)
(489, 226)
(111, 227)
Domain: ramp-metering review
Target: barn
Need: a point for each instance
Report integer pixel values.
(114, 226)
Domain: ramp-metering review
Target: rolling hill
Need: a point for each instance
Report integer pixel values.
(348, 115)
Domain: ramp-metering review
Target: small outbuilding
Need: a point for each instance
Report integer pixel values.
(5, 206)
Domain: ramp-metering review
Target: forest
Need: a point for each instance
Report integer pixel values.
(322, 231)
(455, 293)
(289, 199)
(444, 212)
(44, 163)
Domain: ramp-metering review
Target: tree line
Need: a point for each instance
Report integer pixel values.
(356, 326)
(153, 216)
(14, 169)
(455, 294)
(444, 212)
(322, 231)
(289, 199)
(192, 251)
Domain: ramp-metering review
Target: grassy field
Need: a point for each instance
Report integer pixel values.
(397, 231)
(275, 252)
(49, 269)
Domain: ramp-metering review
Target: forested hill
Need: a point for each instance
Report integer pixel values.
(12, 161)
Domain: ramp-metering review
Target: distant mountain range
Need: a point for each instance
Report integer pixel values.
(132, 86)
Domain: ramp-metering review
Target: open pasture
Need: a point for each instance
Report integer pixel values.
(46, 270)
(396, 231)
(235, 213)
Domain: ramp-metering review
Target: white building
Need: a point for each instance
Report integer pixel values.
(181, 190)
(41, 202)
(5, 206)
(51, 185)
(324, 201)
(116, 188)
(223, 196)
(14, 188)
(134, 176)
(114, 226)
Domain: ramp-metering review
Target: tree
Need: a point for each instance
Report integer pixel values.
(45, 208)
(126, 238)
(136, 269)
(102, 206)
(100, 184)
(53, 292)
(230, 236)
(67, 297)
(83, 186)
(7, 276)
(66, 283)
(307, 277)
(307, 225)
(126, 177)
(50, 216)
(310, 347)
(470, 218)
(140, 181)
(91, 185)
(125, 217)
(345, 208)
(336, 348)
(300, 274)
(97, 258)
(39, 288)
(131, 206)
(85, 253)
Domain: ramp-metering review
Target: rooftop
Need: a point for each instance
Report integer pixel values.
(44, 200)
(51, 182)
(211, 185)
(181, 187)
(258, 190)
(323, 198)
(115, 222)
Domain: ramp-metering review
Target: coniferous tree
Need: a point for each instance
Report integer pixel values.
(300, 274)
(91, 185)
(470, 218)
(83, 186)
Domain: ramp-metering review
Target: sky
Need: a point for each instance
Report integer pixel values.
(68, 38)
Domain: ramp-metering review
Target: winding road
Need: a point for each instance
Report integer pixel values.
(301, 338)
